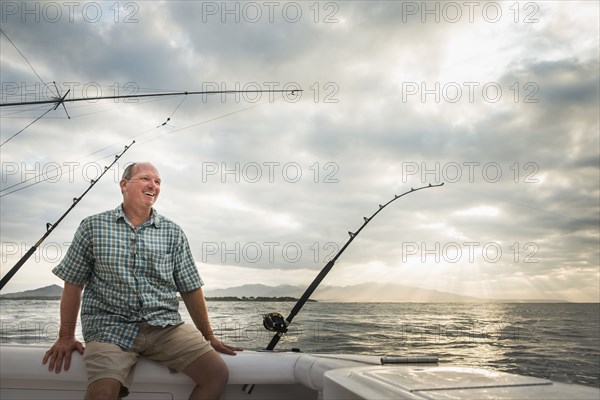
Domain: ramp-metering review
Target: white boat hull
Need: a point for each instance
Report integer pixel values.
(287, 375)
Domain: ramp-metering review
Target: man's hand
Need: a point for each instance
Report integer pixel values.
(60, 353)
(196, 306)
(222, 347)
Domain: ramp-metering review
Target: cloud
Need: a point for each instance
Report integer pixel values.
(503, 112)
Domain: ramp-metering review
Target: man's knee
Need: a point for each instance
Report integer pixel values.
(223, 372)
(208, 369)
(105, 389)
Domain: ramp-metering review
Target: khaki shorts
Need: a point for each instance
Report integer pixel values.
(174, 346)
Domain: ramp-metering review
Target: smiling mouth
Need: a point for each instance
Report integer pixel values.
(149, 194)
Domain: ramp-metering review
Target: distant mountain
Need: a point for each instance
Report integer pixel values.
(391, 292)
(256, 290)
(47, 292)
(364, 292)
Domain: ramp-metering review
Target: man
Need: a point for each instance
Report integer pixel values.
(132, 262)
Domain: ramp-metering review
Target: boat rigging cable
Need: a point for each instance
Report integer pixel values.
(28, 63)
(41, 80)
(58, 101)
(50, 227)
(276, 323)
(38, 180)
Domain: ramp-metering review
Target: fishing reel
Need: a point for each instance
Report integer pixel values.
(275, 322)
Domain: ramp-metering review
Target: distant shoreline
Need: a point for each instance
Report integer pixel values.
(294, 299)
(31, 298)
(360, 293)
(225, 298)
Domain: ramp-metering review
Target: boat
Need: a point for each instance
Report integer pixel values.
(290, 375)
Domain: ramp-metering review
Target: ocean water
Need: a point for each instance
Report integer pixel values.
(555, 341)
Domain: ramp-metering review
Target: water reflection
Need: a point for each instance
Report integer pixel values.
(558, 341)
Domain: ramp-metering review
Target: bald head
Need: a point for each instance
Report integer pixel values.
(132, 168)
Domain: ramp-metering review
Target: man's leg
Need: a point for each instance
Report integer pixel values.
(104, 389)
(182, 348)
(109, 369)
(210, 373)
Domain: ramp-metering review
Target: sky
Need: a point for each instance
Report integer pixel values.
(497, 100)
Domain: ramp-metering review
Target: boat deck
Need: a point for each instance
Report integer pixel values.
(288, 375)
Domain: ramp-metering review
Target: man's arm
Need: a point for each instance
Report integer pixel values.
(196, 306)
(66, 343)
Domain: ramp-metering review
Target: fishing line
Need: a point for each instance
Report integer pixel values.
(50, 227)
(176, 108)
(68, 170)
(132, 137)
(64, 172)
(178, 105)
(31, 123)
(8, 115)
(61, 101)
(36, 177)
(44, 180)
(207, 121)
(31, 66)
(58, 102)
(80, 106)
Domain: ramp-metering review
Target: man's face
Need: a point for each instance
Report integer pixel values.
(143, 188)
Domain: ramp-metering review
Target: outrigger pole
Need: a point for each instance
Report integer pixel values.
(275, 321)
(50, 227)
(61, 100)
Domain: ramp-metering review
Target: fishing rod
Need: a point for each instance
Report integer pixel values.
(61, 100)
(50, 227)
(276, 323)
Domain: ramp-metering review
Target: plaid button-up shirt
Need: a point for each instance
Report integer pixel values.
(131, 275)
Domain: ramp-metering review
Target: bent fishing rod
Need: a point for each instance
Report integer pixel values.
(276, 323)
(61, 100)
(50, 227)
